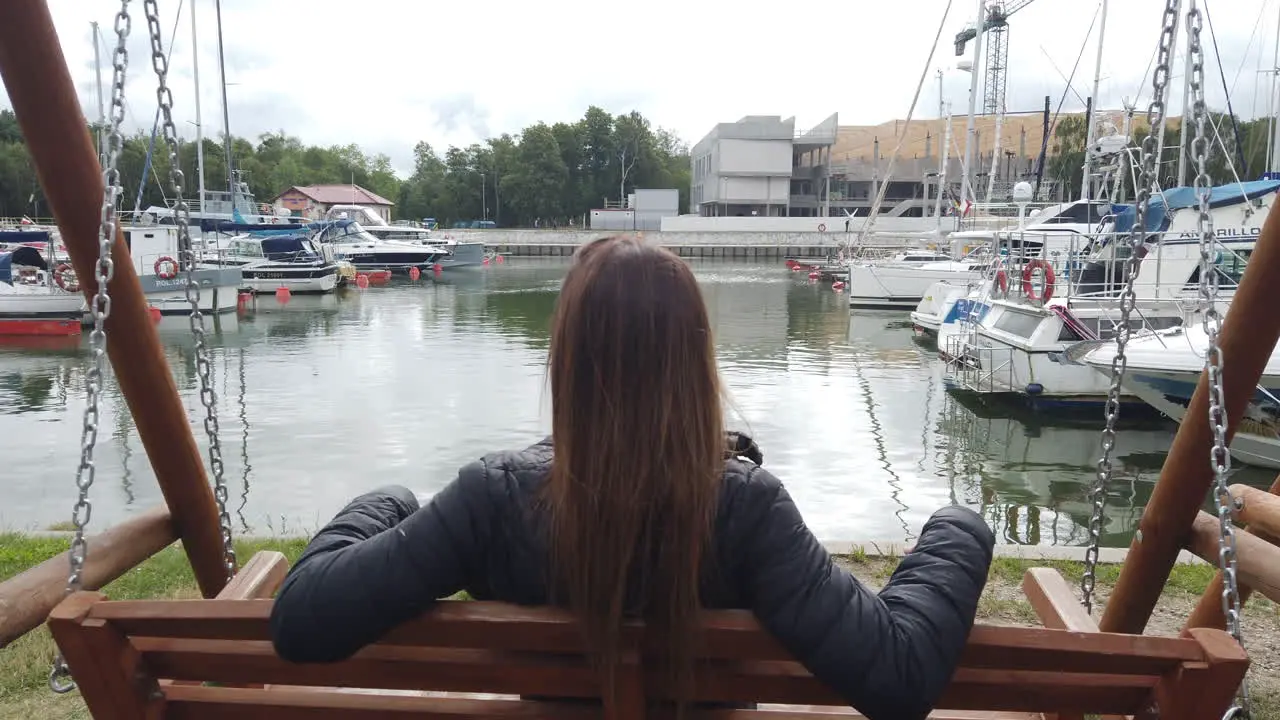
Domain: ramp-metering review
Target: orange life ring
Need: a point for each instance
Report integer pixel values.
(822, 227)
(1002, 284)
(65, 276)
(166, 268)
(1028, 288)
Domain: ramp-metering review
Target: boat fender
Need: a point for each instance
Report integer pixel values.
(65, 276)
(166, 268)
(1002, 284)
(1028, 273)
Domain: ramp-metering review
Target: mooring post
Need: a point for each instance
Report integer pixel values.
(48, 111)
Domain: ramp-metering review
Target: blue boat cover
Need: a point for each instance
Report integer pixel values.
(24, 236)
(229, 226)
(287, 247)
(1185, 197)
(20, 256)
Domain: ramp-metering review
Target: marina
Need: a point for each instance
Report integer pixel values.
(411, 380)
(1011, 374)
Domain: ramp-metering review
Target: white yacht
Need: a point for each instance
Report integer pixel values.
(154, 250)
(457, 254)
(36, 299)
(352, 243)
(1055, 229)
(270, 262)
(1016, 345)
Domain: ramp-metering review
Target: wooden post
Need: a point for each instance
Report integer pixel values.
(1208, 612)
(1248, 335)
(48, 110)
(27, 598)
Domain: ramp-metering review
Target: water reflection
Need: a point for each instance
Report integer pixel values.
(325, 397)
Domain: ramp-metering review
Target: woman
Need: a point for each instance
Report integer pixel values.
(642, 508)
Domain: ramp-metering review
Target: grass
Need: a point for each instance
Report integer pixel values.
(24, 665)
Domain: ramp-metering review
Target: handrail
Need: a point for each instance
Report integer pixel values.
(27, 598)
(47, 106)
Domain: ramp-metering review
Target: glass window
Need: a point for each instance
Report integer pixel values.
(1018, 323)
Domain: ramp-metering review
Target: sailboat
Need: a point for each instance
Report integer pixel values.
(237, 203)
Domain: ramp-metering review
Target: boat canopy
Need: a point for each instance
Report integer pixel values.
(28, 256)
(1185, 197)
(286, 247)
(25, 236)
(229, 226)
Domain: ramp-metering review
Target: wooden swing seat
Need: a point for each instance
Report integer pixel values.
(196, 659)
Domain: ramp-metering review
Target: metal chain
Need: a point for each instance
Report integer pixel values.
(60, 680)
(1128, 298)
(1219, 455)
(182, 219)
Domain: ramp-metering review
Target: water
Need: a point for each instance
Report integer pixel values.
(327, 397)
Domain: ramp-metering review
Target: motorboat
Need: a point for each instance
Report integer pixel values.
(352, 243)
(457, 254)
(270, 262)
(1164, 368)
(1014, 344)
(36, 299)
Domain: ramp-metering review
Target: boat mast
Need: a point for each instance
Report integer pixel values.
(226, 113)
(1186, 109)
(966, 190)
(1273, 147)
(943, 157)
(102, 113)
(195, 71)
(1090, 134)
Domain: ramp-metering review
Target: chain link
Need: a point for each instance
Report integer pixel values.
(182, 220)
(1219, 455)
(60, 680)
(1128, 299)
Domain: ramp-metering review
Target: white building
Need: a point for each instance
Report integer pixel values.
(760, 166)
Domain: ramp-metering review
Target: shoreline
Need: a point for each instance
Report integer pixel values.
(867, 548)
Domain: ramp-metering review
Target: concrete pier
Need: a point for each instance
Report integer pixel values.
(728, 245)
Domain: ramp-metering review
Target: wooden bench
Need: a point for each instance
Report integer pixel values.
(195, 659)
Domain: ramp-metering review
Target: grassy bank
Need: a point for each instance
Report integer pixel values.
(24, 666)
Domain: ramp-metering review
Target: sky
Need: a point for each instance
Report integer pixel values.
(385, 74)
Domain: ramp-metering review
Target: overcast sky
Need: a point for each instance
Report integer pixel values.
(387, 73)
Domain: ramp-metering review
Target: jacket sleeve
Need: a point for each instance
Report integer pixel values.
(380, 562)
(889, 655)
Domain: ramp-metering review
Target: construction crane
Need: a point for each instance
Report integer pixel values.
(996, 28)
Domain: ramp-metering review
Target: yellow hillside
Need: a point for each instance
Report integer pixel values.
(855, 142)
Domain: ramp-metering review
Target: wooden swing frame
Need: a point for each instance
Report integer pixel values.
(156, 658)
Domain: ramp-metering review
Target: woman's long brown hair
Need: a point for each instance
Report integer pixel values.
(639, 449)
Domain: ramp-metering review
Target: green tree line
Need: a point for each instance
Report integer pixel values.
(1233, 140)
(544, 174)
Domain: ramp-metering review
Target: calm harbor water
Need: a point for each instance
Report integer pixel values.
(326, 397)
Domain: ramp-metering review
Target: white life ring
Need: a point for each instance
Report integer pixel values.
(822, 227)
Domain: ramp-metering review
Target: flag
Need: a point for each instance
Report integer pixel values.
(968, 204)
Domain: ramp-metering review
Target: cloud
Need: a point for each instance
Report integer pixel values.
(386, 74)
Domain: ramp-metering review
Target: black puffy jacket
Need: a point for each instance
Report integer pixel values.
(383, 561)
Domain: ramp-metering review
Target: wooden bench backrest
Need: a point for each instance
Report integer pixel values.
(121, 650)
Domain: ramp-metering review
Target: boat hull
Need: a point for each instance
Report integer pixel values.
(464, 255)
(300, 280)
(40, 312)
(219, 289)
(1256, 442)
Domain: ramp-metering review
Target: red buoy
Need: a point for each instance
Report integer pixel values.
(414, 273)
(283, 294)
(485, 261)
(838, 286)
(814, 275)
(437, 269)
(499, 259)
(154, 312)
(362, 280)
